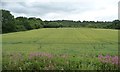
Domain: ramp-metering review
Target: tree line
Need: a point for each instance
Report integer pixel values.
(12, 24)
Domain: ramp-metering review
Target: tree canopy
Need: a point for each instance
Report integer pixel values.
(11, 24)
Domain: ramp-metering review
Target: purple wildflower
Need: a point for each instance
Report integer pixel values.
(39, 54)
(108, 59)
(115, 60)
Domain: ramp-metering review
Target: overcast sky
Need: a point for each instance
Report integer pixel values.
(102, 10)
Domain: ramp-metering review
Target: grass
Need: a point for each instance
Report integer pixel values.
(79, 47)
(0, 52)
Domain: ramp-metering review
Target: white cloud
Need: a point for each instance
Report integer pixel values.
(64, 9)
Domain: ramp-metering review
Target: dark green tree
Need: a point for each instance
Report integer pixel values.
(35, 23)
(116, 24)
(23, 21)
(8, 22)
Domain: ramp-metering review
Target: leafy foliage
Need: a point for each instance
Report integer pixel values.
(11, 24)
(8, 24)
